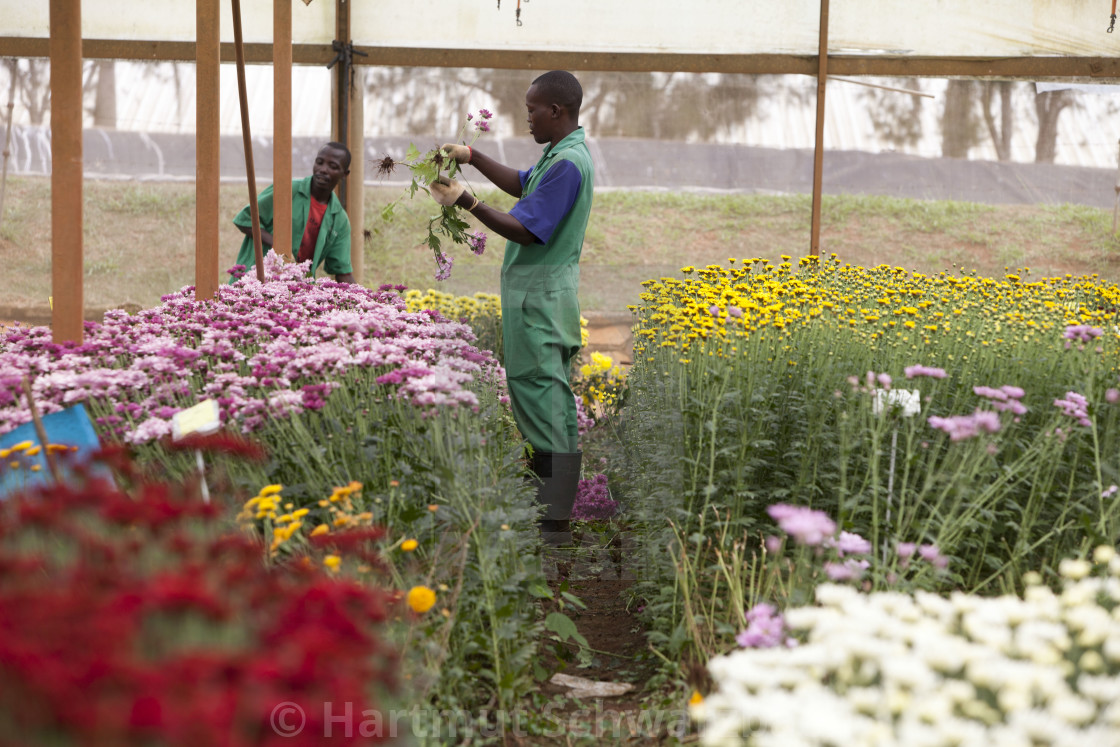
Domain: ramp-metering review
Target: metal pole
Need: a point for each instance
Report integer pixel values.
(207, 147)
(282, 128)
(66, 169)
(818, 151)
(8, 136)
(254, 212)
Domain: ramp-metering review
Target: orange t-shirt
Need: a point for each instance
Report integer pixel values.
(311, 233)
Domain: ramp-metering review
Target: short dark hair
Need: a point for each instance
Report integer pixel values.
(339, 146)
(561, 87)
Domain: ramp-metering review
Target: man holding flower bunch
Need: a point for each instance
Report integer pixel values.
(540, 282)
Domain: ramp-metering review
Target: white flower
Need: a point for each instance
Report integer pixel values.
(1104, 554)
(909, 402)
(1074, 568)
(1074, 709)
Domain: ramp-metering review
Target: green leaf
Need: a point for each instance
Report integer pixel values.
(561, 625)
(412, 153)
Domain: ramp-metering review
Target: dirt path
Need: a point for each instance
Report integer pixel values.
(617, 652)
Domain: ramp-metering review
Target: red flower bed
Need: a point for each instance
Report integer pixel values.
(145, 619)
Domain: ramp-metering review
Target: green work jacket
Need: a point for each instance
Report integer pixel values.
(332, 248)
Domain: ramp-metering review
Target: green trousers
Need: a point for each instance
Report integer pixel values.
(540, 337)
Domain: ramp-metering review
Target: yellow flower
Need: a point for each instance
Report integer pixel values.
(433, 507)
(332, 562)
(271, 489)
(22, 446)
(421, 599)
(696, 698)
(409, 545)
(34, 450)
(321, 529)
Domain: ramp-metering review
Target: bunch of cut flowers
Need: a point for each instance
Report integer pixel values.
(426, 168)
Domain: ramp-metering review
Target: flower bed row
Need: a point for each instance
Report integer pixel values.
(974, 415)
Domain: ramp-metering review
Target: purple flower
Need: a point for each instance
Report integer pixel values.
(918, 370)
(773, 544)
(734, 311)
(714, 311)
(443, 266)
(851, 569)
(932, 555)
(1112, 396)
(807, 526)
(477, 242)
(987, 391)
(1075, 406)
(884, 380)
(1011, 405)
(593, 500)
(849, 543)
(765, 628)
(1082, 332)
(482, 125)
(962, 427)
(485, 113)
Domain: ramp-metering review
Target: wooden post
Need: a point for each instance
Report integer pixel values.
(355, 209)
(207, 148)
(343, 90)
(8, 134)
(818, 150)
(1116, 204)
(66, 169)
(282, 128)
(246, 136)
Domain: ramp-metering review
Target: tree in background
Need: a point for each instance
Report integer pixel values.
(896, 118)
(1048, 106)
(959, 123)
(671, 106)
(1002, 131)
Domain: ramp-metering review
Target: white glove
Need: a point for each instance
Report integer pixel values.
(459, 153)
(445, 191)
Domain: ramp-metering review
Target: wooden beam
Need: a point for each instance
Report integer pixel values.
(818, 148)
(247, 139)
(207, 149)
(1086, 69)
(282, 128)
(66, 170)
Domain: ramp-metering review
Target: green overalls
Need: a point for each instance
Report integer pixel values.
(540, 312)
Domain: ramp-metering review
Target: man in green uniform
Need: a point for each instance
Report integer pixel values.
(320, 226)
(540, 282)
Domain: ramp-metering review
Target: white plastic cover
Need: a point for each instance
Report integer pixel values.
(990, 28)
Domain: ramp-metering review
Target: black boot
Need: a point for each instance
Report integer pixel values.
(557, 478)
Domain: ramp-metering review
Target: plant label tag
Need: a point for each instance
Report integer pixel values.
(202, 419)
